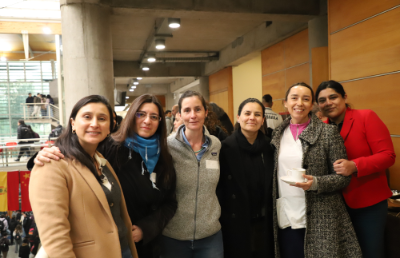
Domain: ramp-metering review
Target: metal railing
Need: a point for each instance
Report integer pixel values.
(41, 111)
(20, 150)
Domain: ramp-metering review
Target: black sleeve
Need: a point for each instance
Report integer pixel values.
(19, 135)
(153, 225)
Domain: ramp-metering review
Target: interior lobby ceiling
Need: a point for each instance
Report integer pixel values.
(201, 34)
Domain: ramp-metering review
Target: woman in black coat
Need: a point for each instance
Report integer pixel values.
(244, 189)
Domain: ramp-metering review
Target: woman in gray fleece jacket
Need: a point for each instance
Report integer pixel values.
(195, 228)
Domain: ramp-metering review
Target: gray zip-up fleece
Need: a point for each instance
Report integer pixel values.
(198, 210)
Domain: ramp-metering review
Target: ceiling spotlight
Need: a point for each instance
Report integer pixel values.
(151, 58)
(131, 90)
(127, 97)
(174, 23)
(139, 78)
(46, 30)
(135, 83)
(145, 68)
(160, 43)
(3, 58)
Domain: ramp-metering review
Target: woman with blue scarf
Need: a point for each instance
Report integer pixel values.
(139, 155)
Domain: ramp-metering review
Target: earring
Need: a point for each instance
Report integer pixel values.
(73, 131)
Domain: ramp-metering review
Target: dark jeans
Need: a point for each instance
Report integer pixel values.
(369, 224)
(209, 247)
(291, 242)
(22, 150)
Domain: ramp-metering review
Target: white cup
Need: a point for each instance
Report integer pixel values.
(297, 174)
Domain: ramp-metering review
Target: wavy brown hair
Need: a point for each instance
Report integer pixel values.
(128, 125)
(211, 122)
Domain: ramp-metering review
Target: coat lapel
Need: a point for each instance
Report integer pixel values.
(347, 123)
(94, 185)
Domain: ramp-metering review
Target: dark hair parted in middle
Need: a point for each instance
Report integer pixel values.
(300, 84)
(332, 85)
(68, 142)
(128, 126)
(264, 127)
(191, 93)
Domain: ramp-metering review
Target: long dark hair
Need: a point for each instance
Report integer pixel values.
(128, 125)
(68, 142)
(263, 127)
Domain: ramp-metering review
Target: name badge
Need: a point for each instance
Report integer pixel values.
(212, 164)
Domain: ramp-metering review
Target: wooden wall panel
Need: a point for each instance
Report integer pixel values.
(369, 48)
(278, 106)
(343, 13)
(220, 80)
(296, 49)
(221, 99)
(298, 74)
(274, 85)
(272, 59)
(161, 98)
(381, 94)
(395, 169)
(320, 66)
(221, 83)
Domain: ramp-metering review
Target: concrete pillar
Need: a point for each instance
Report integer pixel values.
(317, 37)
(87, 52)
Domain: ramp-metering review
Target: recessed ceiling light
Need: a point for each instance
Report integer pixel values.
(46, 30)
(139, 78)
(131, 90)
(3, 58)
(127, 97)
(174, 23)
(135, 83)
(145, 68)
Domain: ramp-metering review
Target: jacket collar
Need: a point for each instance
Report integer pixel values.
(310, 134)
(179, 131)
(93, 183)
(347, 123)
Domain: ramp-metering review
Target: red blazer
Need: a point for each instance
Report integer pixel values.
(369, 145)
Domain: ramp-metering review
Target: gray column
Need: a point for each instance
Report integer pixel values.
(317, 37)
(87, 52)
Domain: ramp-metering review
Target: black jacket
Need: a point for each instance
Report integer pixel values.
(24, 251)
(24, 133)
(148, 208)
(29, 100)
(234, 200)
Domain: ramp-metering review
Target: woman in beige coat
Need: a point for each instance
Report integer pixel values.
(78, 203)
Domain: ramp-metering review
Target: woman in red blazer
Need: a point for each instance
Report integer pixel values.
(370, 152)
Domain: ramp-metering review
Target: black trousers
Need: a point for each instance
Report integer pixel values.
(22, 150)
(291, 242)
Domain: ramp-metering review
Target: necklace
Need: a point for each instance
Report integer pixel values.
(199, 150)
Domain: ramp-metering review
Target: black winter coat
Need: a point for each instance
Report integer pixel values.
(234, 200)
(148, 208)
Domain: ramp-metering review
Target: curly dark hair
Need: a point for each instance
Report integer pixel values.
(211, 122)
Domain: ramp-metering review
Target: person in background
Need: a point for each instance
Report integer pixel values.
(168, 121)
(178, 122)
(273, 119)
(174, 111)
(214, 126)
(66, 193)
(222, 117)
(11, 227)
(4, 244)
(36, 108)
(49, 108)
(43, 107)
(3, 223)
(18, 234)
(24, 251)
(245, 186)
(139, 154)
(23, 132)
(29, 100)
(194, 231)
(310, 218)
(370, 152)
